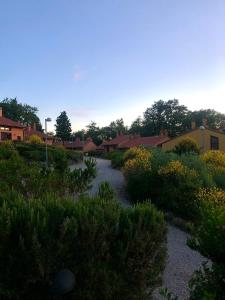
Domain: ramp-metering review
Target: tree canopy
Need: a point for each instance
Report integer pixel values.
(63, 127)
(23, 113)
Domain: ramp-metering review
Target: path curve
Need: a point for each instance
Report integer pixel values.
(181, 260)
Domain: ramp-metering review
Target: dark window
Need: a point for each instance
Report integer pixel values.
(214, 142)
(19, 138)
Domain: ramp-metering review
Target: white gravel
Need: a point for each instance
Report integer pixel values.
(181, 260)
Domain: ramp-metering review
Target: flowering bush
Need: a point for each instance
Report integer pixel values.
(35, 139)
(178, 187)
(136, 169)
(209, 239)
(215, 161)
(187, 145)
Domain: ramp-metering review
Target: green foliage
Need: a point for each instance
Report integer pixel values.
(33, 180)
(24, 113)
(7, 150)
(105, 191)
(63, 127)
(165, 115)
(209, 239)
(75, 156)
(35, 139)
(114, 252)
(187, 145)
(116, 159)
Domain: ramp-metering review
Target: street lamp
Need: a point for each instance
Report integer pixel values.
(46, 141)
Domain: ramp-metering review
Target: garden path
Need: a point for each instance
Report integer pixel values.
(181, 260)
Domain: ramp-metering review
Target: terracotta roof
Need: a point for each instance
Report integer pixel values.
(77, 143)
(10, 123)
(117, 140)
(149, 141)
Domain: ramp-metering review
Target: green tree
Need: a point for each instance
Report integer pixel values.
(93, 131)
(63, 127)
(136, 126)
(214, 119)
(23, 113)
(169, 115)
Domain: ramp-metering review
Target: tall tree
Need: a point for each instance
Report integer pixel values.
(169, 115)
(63, 127)
(93, 131)
(215, 120)
(136, 126)
(23, 113)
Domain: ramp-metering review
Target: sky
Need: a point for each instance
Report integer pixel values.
(106, 59)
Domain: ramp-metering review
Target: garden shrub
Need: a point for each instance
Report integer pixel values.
(209, 240)
(74, 156)
(116, 159)
(179, 185)
(33, 180)
(114, 252)
(215, 161)
(35, 139)
(7, 150)
(187, 145)
(136, 169)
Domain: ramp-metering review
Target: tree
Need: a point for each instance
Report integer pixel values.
(63, 126)
(23, 113)
(136, 126)
(214, 119)
(169, 115)
(93, 131)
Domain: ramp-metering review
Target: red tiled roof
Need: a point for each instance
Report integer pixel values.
(116, 141)
(10, 123)
(149, 141)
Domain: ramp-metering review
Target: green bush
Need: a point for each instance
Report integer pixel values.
(117, 159)
(114, 252)
(33, 180)
(209, 239)
(74, 156)
(187, 145)
(7, 150)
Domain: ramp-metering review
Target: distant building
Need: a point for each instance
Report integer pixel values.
(9, 129)
(78, 144)
(124, 142)
(206, 139)
(32, 130)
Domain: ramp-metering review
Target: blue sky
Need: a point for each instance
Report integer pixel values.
(105, 59)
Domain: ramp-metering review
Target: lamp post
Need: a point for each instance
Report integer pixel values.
(46, 141)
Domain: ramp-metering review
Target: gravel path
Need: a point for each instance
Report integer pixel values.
(181, 261)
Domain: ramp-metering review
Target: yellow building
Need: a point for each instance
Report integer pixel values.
(207, 139)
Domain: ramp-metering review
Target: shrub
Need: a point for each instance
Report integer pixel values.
(7, 150)
(75, 156)
(209, 239)
(114, 252)
(33, 180)
(187, 145)
(35, 139)
(179, 185)
(215, 161)
(117, 159)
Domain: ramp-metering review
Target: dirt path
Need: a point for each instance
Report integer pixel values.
(181, 261)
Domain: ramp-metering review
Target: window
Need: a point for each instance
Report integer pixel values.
(18, 138)
(214, 142)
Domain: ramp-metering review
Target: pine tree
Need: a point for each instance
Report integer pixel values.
(63, 127)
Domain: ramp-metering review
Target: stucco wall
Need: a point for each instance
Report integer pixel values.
(202, 138)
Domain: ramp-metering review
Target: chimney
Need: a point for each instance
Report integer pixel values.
(193, 125)
(1, 112)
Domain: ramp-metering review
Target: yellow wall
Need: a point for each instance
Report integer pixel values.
(202, 138)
